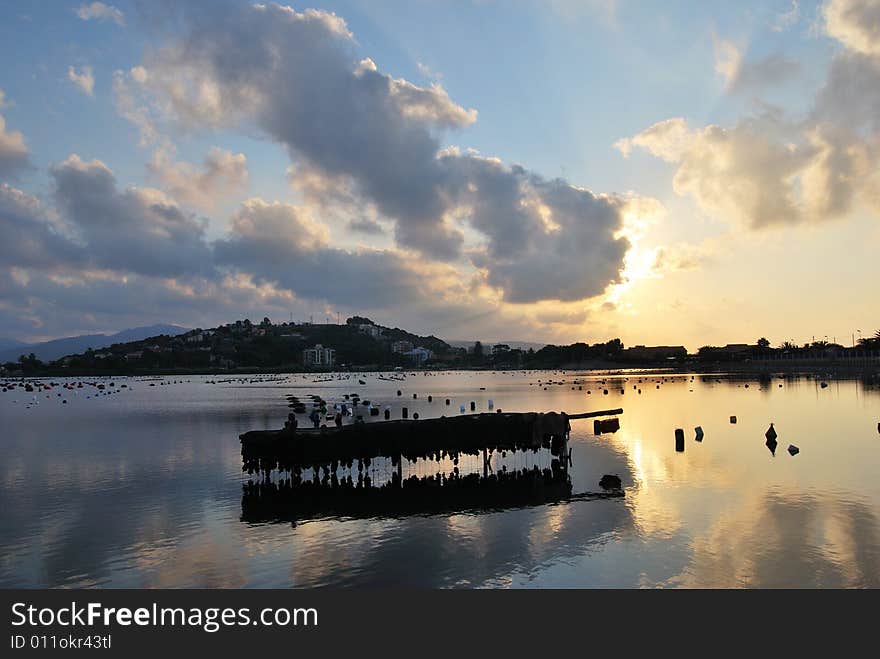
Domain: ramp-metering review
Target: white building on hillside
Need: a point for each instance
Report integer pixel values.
(319, 356)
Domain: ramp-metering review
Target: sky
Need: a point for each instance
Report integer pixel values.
(558, 171)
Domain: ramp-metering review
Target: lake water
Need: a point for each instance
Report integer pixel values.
(143, 488)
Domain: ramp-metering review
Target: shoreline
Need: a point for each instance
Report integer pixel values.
(829, 368)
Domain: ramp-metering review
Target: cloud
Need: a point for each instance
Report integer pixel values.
(223, 174)
(728, 59)
(667, 139)
(83, 79)
(134, 230)
(366, 150)
(132, 108)
(360, 138)
(280, 244)
(14, 155)
(77, 301)
(770, 71)
(98, 11)
(742, 75)
(741, 173)
(788, 18)
(30, 239)
(850, 97)
(367, 226)
(855, 23)
(545, 239)
(770, 170)
(295, 77)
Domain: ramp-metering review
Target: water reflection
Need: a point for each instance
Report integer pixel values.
(785, 539)
(145, 488)
(286, 500)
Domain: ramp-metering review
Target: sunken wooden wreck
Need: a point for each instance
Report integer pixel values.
(410, 439)
(342, 471)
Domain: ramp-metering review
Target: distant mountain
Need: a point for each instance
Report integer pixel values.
(7, 343)
(57, 348)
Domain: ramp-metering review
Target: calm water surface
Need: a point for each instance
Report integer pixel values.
(143, 488)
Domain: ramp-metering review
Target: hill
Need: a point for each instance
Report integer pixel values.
(239, 345)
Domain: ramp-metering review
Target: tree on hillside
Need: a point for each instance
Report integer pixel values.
(871, 342)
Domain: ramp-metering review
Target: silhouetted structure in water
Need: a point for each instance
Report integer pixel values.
(429, 439)
(328, 471)
(294, 500)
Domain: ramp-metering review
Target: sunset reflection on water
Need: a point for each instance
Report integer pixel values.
(143, 489)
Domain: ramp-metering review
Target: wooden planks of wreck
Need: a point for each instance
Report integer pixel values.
(411, 439)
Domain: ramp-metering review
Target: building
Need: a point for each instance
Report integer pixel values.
(654, 353)
(730, 352)
(370, 330)
(401, 347)
(419, 355)
(319, 356)
(198, 336)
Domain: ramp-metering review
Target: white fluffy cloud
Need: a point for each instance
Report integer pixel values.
(354, 131)
(855, 23)
(769, 170)
(134, 230)
(473, 238)
(98, 11)
(83, 79)
(279, 243)
(752, 175)
(14, 154)
(223, 174)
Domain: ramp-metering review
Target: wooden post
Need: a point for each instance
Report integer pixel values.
(679, 440)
